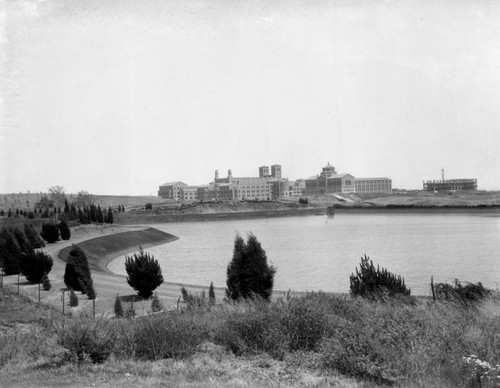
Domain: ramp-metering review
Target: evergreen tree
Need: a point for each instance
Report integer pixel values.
(248, 274)
(144, 273)
(17, 212)
(93, 213)
(80, 216)
(22, 240)
(73, 212)
(35, 266)
(64, 230)
(10, 253)
(33, 237)
(66, 206)
(118, 307)
(99, 215)
(77, 272)
(2, 213)
(91, 293)
(211, 295)
(111, 219)
(50, 232)
(9, 214)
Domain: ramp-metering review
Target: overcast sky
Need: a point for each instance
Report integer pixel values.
(119, 97)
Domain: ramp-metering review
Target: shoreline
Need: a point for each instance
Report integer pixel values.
(155, 218)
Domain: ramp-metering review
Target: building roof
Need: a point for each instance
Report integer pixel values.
(338, 176)
(174, 184)
(371, 179)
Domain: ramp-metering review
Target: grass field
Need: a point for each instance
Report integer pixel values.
(316, 340)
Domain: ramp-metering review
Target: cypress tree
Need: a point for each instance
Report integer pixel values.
(248, 274)
(66, 206)
(211, 294)
(99, 215)
(22, 241)
(118, 307)
(77, 272)
(33, 237)
(64, 230)
(10, 253)
(50, 232)
(9, 214)
(144, 273)
(111, 219)
(35, 266)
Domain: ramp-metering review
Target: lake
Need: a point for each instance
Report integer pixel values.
(315, 253)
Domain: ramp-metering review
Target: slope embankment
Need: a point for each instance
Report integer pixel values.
(101, 250)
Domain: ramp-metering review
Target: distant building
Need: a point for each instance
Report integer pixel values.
(171, 190)
(373, 185)
(451, 185)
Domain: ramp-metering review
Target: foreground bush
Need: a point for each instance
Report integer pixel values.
(465, 294)
(144, 273)
(10, 252)
(33, 237)
(371, 282)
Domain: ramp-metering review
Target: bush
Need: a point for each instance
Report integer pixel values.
(73, 299)
(469, 293)
(64, 230)
(46, 283)
(371, 282)
(91, 294)
(248, 274)
(33, 237)
(193, 300)
(156, 304)
(23, 242)
(144, 273)
(35, 266)
(50, 232)
(89, 339)
(77, 272)
(118, 307)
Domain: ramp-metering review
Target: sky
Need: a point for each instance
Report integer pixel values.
(119, 97)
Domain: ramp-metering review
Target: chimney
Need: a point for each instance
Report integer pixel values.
(442, 175)
(216, 174)
(229, 173)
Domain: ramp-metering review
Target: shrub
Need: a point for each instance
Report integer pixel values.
(23, 242)
(64, 230)
(77, 272)
(469, 293)
(130, 312)
(91, 294)
(156, 304)
(35, 266)
(50, 232)
(33, 237)
(371, 282)
(144, 273)
(248, 274)
(89, 339)
(46, 283)
(193, 300)
(73, 299)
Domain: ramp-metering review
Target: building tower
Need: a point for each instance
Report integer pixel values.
(263, 172)
(442, 175)
(276, 171)
(216, 175)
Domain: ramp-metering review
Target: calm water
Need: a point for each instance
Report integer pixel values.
(313, 253)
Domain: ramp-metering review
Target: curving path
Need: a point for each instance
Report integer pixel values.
(107, 285)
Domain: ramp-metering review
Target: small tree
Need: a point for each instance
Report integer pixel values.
(77, 272)
(211, 295)
(73, 299)
(64, 230)
(144, 273)
(50, 232)
(91, 294)
(118, 307)
(46, 283)
(33, 237)
(110, 216)
(35, 266)
(156, 304)
(371, 282)
(248, 274)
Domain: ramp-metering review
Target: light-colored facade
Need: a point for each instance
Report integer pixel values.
(171, 190)
(373, 185)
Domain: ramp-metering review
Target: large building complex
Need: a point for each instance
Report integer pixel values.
(270, 184)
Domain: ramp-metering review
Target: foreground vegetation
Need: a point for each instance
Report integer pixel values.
(326, 338)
